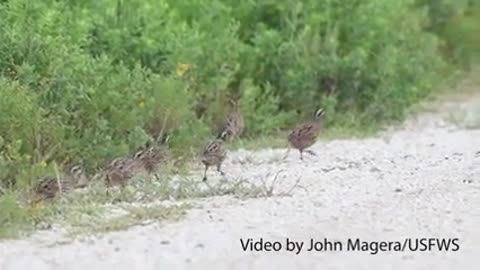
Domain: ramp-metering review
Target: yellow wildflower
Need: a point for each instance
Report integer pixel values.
(182, 68)
(36, 204)
(141, 104)
(43, 164)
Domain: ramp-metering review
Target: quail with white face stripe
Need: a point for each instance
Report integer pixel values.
(49, 186)
(154, 156)
(214, 153)
(304, 135)
(234, 123)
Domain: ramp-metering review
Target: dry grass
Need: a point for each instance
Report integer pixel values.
(91, 210)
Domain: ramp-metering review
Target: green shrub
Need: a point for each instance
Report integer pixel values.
(93, 80)
(370, 57)
(61, 104)
(457, 23)
(13, 218)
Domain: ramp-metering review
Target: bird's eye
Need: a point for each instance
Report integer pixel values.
(139, 154)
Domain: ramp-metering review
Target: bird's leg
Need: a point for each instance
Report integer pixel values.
(123, 187)
(123, 184)
(301, 155)
(108, 190)
(156, 176)
(311, 152)
(219, 166)
(205, 173)
(107, 186)
(286, 154)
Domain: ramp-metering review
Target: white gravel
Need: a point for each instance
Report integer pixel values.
(421, 181)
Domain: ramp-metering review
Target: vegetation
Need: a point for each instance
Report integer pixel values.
(456, 23)
(93, 80)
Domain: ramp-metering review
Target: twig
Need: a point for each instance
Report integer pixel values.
(276, 177)
(159, 138)
(296, 185)
(57, 175)
(241, 181)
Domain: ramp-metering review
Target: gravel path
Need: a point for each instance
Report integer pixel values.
(421, 181)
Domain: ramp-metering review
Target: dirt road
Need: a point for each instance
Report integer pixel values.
(420, 181)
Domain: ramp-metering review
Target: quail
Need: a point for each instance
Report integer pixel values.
(121, 170)
(155, 155)
(214, 153)
(234, 123)
(49, 186)
(304, 135)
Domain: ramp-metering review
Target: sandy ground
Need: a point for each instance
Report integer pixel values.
(419, 181)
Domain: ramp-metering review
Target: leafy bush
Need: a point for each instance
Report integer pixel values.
(13, 218)
(92, 80)
(457, 23)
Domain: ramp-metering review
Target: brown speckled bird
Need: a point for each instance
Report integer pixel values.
(305, 135)
(234, 123)
(49, 186)
(155, 155)
(121, 170)
(214, 153)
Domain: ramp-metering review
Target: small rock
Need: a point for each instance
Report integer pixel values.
(43, 226)
(398, 190)
(326, 170)
(165, 242)
(200, 245)
(353, 165)
(467, 181)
